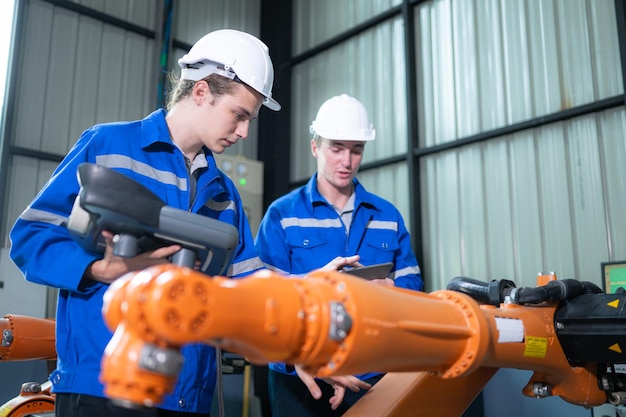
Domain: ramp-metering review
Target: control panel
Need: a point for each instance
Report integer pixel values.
(247, 174)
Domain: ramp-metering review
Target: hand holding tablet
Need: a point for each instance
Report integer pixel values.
(376, 271)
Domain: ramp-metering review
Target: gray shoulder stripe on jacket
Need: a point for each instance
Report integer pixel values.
(275, 269)
(123, 161)
(221, 205)
(409, 270)
(310, 222)
(35, 215)
(380, 224)
(246, 266)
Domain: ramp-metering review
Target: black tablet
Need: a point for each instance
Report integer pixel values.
(376, 271)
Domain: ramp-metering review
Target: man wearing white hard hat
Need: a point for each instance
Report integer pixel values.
(332, 222)
(225, 79)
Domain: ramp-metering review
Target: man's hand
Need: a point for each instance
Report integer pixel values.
(385, 282)
(111, 267)
(340, 262)
(339, 384)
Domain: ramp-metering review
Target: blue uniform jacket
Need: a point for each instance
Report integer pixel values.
(301, 232)
(46, 254)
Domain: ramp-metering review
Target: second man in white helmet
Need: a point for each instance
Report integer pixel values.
(332, 222)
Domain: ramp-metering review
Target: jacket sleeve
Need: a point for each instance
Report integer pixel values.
(271, 243)
(407, 271)
(41, 246)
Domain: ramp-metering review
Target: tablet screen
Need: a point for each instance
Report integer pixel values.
(377, 271)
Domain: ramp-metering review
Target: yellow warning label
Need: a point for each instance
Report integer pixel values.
(536, 347)
(615, 348)
(614, 303)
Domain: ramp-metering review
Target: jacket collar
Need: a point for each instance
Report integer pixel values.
(154, 130)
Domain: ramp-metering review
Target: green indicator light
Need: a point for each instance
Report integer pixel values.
(242, 181)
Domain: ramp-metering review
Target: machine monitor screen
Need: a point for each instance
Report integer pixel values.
(613, 276)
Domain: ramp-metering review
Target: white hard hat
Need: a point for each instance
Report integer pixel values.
(343, 118)
(232, 53)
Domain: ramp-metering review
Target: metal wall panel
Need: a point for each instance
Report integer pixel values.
(525, 172)
(498, 214)
(94, 72)
(544, 61)
(612, 131)
(445, 244)
(317, 21)
(369, 67)
(491, 63)
(545, 199)
(195, 18)
(389, 182)
(586, 202)
(139, 12)
(554, 196)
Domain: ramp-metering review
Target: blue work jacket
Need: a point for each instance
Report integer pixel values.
(44, 251)
(301, 232)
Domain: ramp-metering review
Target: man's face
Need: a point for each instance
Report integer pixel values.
(228, 117)
(338, 161)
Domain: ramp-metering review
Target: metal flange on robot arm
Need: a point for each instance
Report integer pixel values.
(28, 338)
(332, 324)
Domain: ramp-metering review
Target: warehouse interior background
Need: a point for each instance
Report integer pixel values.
(500, 125)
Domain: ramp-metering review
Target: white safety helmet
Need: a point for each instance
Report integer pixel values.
(343, 118)
(232, 53)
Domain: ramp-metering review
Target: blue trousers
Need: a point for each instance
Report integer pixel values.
(289, 397)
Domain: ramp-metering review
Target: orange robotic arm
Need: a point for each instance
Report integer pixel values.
(34, 398)
(27, 338)
(331, 323)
